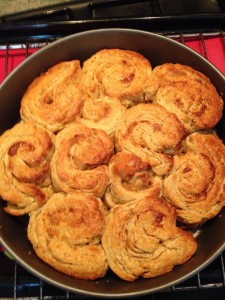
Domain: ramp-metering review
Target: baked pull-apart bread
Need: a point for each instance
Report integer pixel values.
(188, 93)
(54, 99)
(152, 133)
(141, 239)
(102, 113)
(196, 184)
(66, 233)
(130, 179)
(79, 162)
(108, 156)
(118, 73)
(25, 153)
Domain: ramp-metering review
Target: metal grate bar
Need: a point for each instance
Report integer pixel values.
(203, 46)
(15, 281)
(41, 290)
(223, 37)
(6, 60)
(222, 269)
(182, 38)
(27, 49)
(199, 285)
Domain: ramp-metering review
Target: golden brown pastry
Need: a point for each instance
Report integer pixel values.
(187, 93)
(152, 133)
(59, 162)
(117, 73)
(196, 184)
(79, 162)
(130, 179)
(66, 233)
(141, 239)
(102, 113)
(54, 99)
(25, 153)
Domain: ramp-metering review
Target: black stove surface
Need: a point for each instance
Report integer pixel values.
(95, 9)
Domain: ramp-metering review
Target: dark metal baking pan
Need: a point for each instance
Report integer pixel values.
(158, 50)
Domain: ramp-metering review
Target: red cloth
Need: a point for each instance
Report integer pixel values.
(15, 57)
(215, 48)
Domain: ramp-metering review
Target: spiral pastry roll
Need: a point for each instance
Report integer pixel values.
(25, 181)
(152, 133)
(102, 113)
(130, 179)
(78, 164)
(196, 184)
(141, 239)
(54, 99)
(66, 234)
(188, 93)
(118, 73)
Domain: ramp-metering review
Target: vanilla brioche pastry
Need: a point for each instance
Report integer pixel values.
(187, 93)
(196, 184)
(66, 232)
(102, 113)
(117, 73)
(130, 179)
(25, 180)
(141, 239)
(79, 164)
(54, 99)
(152, 133)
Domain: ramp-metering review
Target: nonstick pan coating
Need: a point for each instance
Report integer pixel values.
(158, 50)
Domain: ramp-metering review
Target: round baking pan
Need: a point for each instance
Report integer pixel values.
(158, 50)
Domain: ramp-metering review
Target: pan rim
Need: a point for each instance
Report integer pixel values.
(61, 285)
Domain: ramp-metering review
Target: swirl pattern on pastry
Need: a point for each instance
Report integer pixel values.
(79, 162)
(141, 239)
(187, 93)
(66, 233)
(130, 179)
(117, 73)
(54, 99)
(102, 113)
(152, 133)
(25, 181)
(196, 184)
